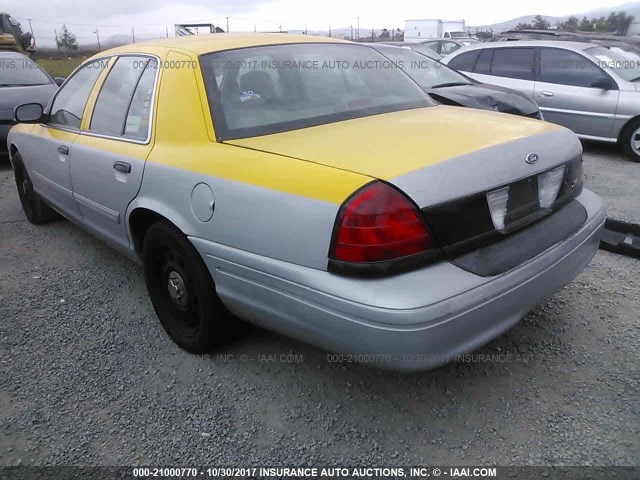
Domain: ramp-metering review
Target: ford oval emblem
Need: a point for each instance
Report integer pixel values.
(531, 158)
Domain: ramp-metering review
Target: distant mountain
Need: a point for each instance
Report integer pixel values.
(629, 8)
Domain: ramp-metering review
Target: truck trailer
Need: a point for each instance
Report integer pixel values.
(416, 31)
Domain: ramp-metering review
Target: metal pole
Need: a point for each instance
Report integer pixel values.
(227, 24)
(358, 30)
(167, 30)
(31, 28)
(133, 35)
(98, 37)
(329, 30)
(351, 32)
(254, 28)
(55, 31)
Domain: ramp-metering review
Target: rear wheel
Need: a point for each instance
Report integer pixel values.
(630, 140)
(35, 208)
(182, 290)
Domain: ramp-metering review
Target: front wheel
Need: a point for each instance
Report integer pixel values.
(630, 141)
(181, 289)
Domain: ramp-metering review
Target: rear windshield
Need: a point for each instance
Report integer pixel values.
(625, 68)
(277, 88)
(21, 71)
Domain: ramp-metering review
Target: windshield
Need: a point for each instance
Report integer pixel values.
(426, 72)
(424, 49)
(263, 90)
(459, 35)
(609, 60)
(21, 71)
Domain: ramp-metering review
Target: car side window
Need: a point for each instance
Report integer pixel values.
(483, 65)
(110, 112)
(68, 106)
(449, 47)
(567, 68)
(465, 61)
(513, 63)
(432, 45)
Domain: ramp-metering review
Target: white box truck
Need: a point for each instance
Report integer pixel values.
(416, 31)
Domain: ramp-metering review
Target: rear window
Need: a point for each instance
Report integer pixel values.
(609, 60)
(271, 89)
(21, 71)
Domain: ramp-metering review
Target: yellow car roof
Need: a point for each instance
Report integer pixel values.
(215, 42)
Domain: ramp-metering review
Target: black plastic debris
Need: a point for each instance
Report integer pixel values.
(621, 237)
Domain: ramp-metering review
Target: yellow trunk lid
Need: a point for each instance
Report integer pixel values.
(386, 146)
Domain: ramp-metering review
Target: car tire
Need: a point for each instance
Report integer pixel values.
(182, 291)
(630, 140)
(33, 205)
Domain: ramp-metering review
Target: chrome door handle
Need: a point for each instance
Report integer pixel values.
(123, 167)
(63, 150)
(546, 94)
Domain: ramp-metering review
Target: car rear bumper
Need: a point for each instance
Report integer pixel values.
(407, 322)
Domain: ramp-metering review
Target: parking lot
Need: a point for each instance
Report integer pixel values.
(89, 377)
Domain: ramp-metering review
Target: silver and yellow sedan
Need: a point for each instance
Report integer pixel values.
(309, 186)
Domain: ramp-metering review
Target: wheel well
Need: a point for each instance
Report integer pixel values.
(627, 125)
(140, 220)
(12, 152)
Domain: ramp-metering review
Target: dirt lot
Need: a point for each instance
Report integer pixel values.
(88, 376)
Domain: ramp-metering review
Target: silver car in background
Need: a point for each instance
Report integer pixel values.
(21, 81)
(588, 88)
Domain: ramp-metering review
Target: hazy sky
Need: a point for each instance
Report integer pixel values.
(150, 17)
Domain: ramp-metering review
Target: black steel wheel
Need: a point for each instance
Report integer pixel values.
(182, 290)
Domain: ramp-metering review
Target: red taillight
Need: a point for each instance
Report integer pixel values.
(379, 223)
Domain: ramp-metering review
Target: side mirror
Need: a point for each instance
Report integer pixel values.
(59, 80)
(603, 83)
(28, 113)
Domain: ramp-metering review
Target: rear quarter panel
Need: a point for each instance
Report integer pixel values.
(266, 204)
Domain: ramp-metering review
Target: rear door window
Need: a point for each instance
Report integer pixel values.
(123, 104)
(513, 63)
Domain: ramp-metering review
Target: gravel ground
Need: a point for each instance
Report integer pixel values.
(88, 376)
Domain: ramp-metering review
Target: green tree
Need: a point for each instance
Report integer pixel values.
(570, 25)
(601, 24)
(66, 39)
(384, 35)
(540, 23)
(620, 22)
(523, 26)
(586, 25)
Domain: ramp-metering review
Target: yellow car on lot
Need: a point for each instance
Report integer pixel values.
(308, 185)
